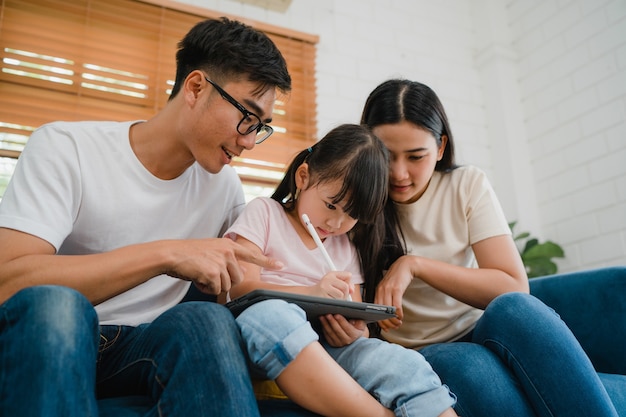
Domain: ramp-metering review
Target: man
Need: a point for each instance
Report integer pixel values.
(123, 216)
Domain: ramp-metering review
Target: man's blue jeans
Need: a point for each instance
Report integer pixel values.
(524, 361)
(54, 362)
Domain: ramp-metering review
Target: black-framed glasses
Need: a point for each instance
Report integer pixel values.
(250, 122)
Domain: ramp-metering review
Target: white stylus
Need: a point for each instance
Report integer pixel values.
(320, 245)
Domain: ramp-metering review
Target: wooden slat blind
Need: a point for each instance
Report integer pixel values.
(115, 60)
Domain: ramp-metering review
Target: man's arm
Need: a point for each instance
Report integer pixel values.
(212, 264)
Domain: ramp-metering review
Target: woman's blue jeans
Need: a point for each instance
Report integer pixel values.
(54, 361)
(524, 361)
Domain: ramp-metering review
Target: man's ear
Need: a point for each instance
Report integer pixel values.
(302, 176)
(194, 84)
(442, 148)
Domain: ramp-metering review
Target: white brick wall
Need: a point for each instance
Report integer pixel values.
(572, 76)
(535, 91)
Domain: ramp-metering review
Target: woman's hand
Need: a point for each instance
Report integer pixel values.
(390, 290)
(340, 331)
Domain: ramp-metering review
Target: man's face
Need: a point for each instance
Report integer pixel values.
(215, 138)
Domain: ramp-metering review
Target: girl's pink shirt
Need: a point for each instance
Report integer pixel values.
(265, 223)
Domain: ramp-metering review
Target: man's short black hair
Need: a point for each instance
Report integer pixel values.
(227, 49)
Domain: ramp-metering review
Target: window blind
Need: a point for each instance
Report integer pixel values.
(115, 60)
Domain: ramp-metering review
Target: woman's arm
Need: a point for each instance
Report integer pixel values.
(500, 270)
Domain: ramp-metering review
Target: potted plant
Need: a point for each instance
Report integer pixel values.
(537, 257)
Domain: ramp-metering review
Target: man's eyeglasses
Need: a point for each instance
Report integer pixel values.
(250, 121)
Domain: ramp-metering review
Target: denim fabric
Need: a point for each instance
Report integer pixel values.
(276, 331)
(544, 356)
(524, 361)
(126, 406)
(137, 406)
(483, 385)
(188, 362)
(48, 349)
(616, 387)
(399, 378)
(593, 305)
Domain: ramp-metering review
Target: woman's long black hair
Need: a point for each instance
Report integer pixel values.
(392, 102)
(354, 155)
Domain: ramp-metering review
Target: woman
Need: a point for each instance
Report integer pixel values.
(455, 257)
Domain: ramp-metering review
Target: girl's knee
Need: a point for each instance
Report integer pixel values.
(273, 315)
(274, 333)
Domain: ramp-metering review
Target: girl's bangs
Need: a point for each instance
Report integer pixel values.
(364, 193)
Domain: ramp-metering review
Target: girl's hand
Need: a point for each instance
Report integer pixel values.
(390, 290)
(335, 284)
(340, 331)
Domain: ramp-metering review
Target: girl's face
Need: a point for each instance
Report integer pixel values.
(414, 154)
(317, 202)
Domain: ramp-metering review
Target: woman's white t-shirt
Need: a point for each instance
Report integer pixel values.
(457, 210)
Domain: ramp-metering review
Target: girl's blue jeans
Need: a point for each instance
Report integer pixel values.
(275, 332)
(522, 360)
(55, 361)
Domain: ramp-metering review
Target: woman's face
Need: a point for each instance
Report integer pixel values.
(414, 154)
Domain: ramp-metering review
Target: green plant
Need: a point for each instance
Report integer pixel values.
(537, 257)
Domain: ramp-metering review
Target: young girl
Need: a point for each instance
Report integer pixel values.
(459, 258)
(341, 184)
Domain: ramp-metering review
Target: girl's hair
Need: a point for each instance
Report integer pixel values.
(398, 100)
(392, 102)
(353, 155)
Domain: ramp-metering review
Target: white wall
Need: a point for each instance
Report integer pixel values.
(572, 75)
(535, 91)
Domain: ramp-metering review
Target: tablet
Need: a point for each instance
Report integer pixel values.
(316, 306)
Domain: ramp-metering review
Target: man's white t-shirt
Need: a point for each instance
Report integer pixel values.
(79, 186)
(457, 209)
(265, 223)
